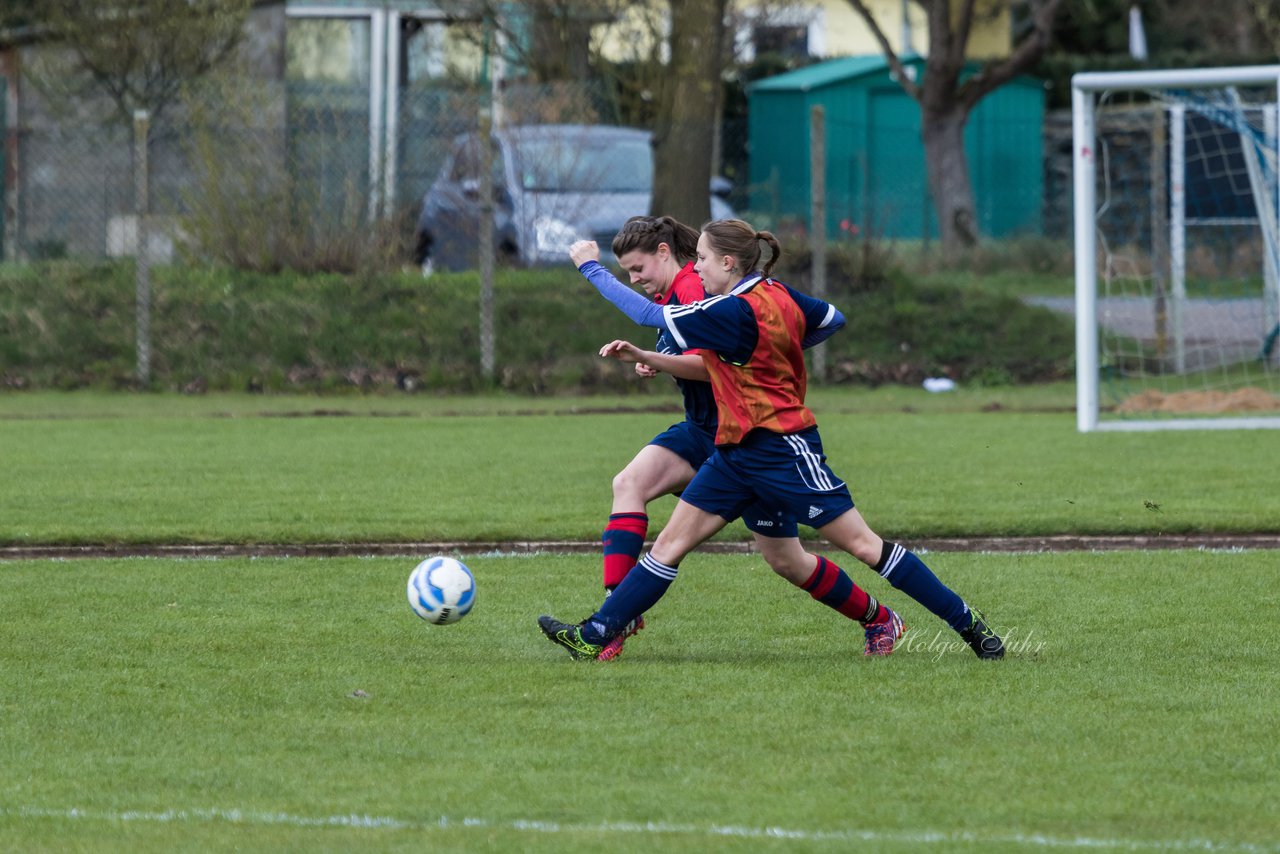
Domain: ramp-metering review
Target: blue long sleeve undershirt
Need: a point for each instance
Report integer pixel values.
(645, 312)
(640, 309)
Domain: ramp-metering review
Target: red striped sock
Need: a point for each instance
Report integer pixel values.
(833, 587)
(623, 540)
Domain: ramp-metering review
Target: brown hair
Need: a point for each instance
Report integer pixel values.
(644, 233)
(739, 239)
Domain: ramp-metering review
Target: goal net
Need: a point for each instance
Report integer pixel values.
(1177, 249)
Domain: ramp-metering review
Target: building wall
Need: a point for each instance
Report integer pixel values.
(70, 182)
(832, 28)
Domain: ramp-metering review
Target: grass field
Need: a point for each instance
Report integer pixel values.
(297, 704)
(167, 469)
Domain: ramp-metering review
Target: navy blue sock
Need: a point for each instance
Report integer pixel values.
(638, 592)
(908, 573)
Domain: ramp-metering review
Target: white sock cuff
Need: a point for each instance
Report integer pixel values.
(658, 568)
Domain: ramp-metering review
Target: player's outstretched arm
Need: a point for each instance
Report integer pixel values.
(684, 367)
(681, 367)
(630, 303)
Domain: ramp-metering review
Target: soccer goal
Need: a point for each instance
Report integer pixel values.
(1177, 249)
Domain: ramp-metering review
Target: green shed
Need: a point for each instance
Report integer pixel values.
(876, 179)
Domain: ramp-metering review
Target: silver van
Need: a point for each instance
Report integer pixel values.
(553, 184)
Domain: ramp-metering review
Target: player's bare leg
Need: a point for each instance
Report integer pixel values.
(689, 528)
(653, 472)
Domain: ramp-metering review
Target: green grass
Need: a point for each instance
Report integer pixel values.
(297, 704)
(153, 469)
(212, 705)
(56, 405)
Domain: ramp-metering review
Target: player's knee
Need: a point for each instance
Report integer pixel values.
(625, 484)
(852, 534)
(866, 546)
(868, 553)
(794, 568)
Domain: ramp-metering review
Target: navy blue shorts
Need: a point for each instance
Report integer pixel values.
(692, 444)
(695, 446)
(783, 476)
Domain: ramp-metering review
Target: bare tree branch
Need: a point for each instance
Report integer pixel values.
(140, 53)
(895, 63)
(1025, 54)
(946, 99)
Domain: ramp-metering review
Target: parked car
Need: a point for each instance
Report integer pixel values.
(553, 184)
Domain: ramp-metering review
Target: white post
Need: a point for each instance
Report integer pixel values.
(1270, 186)
(1272, 310)
(1086, 249)
(391, 159)
(377, 107)
(1271, 193)
(1178, 232)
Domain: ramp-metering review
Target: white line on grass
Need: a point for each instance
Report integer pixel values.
(373, 822)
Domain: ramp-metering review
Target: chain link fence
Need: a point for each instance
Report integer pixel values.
(241, 172)
(304, 175)
(261, 175)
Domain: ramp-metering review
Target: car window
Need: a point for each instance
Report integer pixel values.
(466, 163)
(578, 164)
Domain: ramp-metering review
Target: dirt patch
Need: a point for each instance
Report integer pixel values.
(1069, 542)
(1202, 402)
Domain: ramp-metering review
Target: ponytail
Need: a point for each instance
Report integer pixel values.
(739, 239)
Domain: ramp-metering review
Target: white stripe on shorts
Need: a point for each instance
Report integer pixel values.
(820, 478)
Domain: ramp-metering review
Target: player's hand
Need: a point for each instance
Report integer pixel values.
(623, 351)
(646, 372)
(583, 251)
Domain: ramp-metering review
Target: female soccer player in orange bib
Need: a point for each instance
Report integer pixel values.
(751, 331)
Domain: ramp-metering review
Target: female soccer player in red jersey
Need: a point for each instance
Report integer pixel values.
(751, 331)
(658, 253)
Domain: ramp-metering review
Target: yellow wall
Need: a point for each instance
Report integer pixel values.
(841, 30)
(848, 35)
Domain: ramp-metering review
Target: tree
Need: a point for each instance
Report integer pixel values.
(947, 97)
(139, 53)
(550, 40)
(689, 109)
(1179, 33)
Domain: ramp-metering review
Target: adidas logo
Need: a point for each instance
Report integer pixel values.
(814, 511)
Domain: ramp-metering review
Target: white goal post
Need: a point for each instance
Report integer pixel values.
(1176, 208)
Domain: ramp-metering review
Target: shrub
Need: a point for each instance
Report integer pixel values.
(69, 325)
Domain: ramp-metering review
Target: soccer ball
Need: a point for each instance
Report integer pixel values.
(441, 590)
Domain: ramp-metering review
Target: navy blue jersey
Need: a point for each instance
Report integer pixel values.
(699, 399)
(729, 326)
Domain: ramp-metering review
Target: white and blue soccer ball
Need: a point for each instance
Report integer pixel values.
(441, 590)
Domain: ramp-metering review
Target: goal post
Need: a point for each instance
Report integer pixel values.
(1177, 248)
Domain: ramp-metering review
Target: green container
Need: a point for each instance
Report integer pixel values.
(876, 179)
